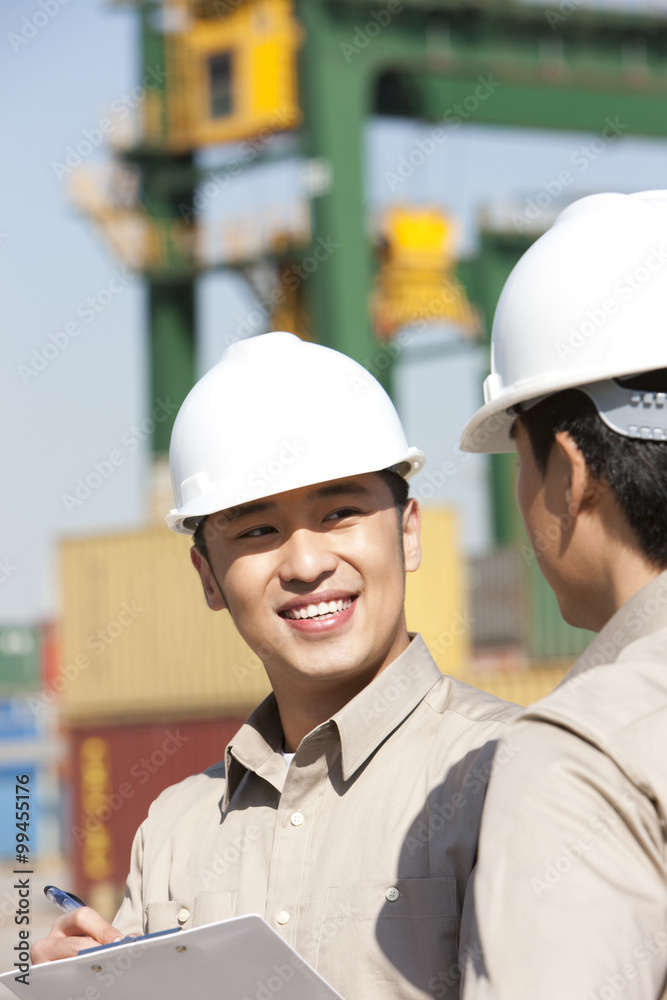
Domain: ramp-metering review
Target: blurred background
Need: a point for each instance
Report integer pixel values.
(177, 176)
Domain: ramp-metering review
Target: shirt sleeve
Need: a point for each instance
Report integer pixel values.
(130, 916)
(569, 896)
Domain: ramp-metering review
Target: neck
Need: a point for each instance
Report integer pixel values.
(613, 569)
(628, 573)
(305, 702)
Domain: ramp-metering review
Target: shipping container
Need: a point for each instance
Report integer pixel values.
(19, 658)
(50, 654)
(117, 771)
(514, 606)
(138, 640)
(436, 595)
(18, 721)
(523, 685)
(30, 746)
(498, 601)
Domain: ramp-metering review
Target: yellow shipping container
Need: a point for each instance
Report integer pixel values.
(521, 686)
(139, 642)
(137, 638)
(436, 595)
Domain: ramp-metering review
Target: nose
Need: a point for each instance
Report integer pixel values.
(305, 556)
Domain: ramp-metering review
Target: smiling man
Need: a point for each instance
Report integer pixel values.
(346, 810)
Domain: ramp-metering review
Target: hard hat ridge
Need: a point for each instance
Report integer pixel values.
(275, 414)
(585, 305)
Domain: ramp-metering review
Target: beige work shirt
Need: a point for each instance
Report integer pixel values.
(570, 893)
(359, 855)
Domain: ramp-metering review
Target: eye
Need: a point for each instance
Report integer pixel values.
(343, 512)
(259, 532)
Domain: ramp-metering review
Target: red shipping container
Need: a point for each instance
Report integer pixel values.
(50, 655)
(117, 771)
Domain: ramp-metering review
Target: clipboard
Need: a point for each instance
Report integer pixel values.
(238, 959)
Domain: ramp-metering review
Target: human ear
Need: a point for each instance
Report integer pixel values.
(582, 489)
(412, 553)
(212, 593)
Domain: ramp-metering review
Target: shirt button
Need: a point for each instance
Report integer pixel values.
(296, 819)
(392, 894)
(282, 917)
(183, 915)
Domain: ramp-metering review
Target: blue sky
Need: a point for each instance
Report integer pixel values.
(89, 397)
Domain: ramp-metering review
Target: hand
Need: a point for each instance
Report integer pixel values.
(83, 928)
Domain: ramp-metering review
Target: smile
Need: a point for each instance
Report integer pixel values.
(325, 609)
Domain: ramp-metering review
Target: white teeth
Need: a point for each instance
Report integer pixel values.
(317, 610)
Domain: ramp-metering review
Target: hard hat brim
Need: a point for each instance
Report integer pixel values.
(183, 520)
(488, 431)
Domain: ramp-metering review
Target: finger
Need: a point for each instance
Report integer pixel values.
(86, 922)
(82, 928)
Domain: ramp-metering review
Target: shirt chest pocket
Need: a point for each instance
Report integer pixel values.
(402, 932)
(191, 911)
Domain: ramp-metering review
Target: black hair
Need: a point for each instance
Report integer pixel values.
(635, 469)
(399, 487)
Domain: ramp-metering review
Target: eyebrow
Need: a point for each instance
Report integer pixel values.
(338, 489)
(248, 509)
(333, 489)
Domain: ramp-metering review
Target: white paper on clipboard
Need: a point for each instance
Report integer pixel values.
(238, 959)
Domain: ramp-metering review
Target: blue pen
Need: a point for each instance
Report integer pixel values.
(67, 901)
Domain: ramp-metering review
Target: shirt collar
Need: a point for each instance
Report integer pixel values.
(256, 747)
(362, 725)
(366, 721)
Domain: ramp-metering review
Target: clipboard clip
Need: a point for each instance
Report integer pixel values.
(129, 940)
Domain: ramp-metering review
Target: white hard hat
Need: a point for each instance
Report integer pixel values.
(275, 414)
(586, 304)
